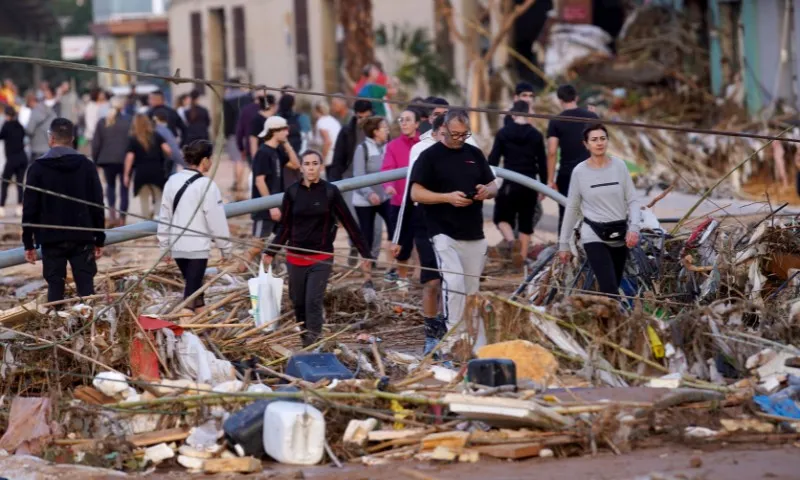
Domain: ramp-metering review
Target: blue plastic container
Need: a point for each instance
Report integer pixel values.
(313, 367)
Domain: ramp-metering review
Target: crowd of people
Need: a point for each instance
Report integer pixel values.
(437, 210)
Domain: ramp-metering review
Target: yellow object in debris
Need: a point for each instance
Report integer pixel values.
(655, 343)
(400, 413)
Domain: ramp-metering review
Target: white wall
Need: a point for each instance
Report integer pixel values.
(269, 32)
(270, 36)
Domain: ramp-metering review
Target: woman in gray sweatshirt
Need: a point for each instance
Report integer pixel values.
(374, 200)
(109, 146)
(601, 191)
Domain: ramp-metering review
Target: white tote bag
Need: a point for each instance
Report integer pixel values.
(266, 291)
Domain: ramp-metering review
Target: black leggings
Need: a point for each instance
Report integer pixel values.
(193, 270)
(562, 183)
(15, 167)
(608, 265)
(366, 220)
(406, 233)
(307, 292)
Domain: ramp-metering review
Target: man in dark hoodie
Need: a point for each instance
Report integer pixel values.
(79, 239)
(345, 144)
(157, 103)
(523, 91)
(522, 148)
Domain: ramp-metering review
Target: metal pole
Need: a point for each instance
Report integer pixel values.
(16, 256)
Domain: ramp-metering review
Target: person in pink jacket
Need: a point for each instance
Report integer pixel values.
(397, 156)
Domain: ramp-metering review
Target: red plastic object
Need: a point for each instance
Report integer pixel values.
(144, 361)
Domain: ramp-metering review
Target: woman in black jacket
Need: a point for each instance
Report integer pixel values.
(144, 163)
(308, 228)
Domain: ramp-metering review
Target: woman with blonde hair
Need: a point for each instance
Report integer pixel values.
(145, 158)
(109, 146)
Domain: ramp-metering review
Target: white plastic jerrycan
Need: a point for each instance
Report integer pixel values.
(294, 433)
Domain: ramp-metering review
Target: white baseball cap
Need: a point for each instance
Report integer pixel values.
(275, 122)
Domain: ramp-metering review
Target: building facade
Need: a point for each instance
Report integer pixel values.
(132, 35)
(286, 42)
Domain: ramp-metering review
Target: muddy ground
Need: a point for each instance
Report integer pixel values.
(719, 462)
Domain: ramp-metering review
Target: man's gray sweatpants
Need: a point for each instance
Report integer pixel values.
(461, 264)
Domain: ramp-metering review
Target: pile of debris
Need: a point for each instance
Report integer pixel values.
(659, 75)
(700, 351)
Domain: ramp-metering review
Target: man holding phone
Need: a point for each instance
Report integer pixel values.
(451, 179)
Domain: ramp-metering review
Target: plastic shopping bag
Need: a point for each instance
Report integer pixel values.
(266, 291)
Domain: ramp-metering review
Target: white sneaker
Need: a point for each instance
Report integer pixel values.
(19, 211)
(402, 285)
(2, 212)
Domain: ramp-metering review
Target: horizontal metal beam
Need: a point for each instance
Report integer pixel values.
(16, 256)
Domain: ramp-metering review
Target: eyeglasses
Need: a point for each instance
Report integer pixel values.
(458, 135)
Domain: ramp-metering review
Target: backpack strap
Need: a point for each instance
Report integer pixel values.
(183, 188)
(366, 152)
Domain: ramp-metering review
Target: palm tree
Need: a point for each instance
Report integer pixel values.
(355, 17)
(420, 60)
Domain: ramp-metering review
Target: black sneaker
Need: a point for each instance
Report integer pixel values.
(391, 276)
(352, 259)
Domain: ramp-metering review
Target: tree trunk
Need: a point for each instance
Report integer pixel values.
(359, 38)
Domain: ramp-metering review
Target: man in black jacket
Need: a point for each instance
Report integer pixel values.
(521, 146)
(345, 147)
(174, 121)
(52, 181)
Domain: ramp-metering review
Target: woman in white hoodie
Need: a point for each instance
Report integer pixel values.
(193, 202)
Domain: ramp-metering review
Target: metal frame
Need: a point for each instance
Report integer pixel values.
(16, 256)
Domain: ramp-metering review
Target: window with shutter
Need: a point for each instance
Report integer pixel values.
(303, 50)
(198, 59)
(239, 38)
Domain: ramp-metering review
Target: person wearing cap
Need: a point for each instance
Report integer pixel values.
(271, 157)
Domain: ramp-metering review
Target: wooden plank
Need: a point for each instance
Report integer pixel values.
(232, 465)
(511, 451)
(387, 435)
(92, 396)
(506, 412)
(161, 436)
(452, 440)
(281, 350)
(14, 316)
(139, 440)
